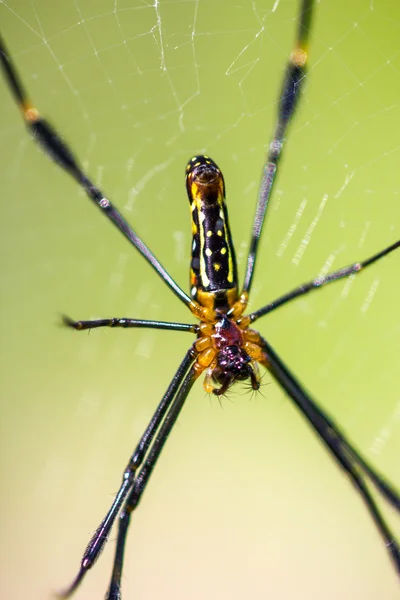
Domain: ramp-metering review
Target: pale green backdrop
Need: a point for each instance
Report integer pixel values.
(245, 502)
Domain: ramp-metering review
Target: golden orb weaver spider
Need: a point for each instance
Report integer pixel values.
(209, 344)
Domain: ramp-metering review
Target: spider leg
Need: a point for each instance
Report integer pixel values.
(55, 147)
(139, 485)
(135, 475)
(294, 77)
(127, 323)
(341, 450)
(320, 281)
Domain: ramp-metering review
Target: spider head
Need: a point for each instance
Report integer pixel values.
(233, 364)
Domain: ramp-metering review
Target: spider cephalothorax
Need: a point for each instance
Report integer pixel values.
(228, 353)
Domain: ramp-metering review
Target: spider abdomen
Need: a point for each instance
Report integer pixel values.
(213, 273)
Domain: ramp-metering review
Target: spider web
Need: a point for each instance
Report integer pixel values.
(137, 88)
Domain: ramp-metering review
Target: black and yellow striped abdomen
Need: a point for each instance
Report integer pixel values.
(213, 272)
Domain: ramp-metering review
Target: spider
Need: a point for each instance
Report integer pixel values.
(227, 349)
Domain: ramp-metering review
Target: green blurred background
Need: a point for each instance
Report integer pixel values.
(244, 501)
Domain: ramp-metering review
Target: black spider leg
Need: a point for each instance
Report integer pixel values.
(345, 455)
(294, 77)
(126, 323)
(131, 503)
(320, 281)
(135, 478)
(54, 146)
